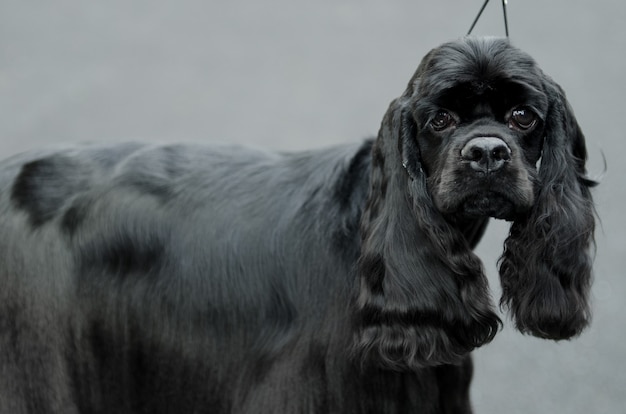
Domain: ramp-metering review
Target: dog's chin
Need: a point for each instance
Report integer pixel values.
(488, 205)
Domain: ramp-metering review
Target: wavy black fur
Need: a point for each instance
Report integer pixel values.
(546, 265)
(424, 298)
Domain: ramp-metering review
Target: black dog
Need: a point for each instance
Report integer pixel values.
(186, 279)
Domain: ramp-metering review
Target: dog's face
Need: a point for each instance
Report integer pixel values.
(480, 110)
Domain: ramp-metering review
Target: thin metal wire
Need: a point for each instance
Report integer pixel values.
(506, 21)
(478, 17)
(480, 12)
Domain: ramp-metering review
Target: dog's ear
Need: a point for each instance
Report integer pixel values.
(423, 297)
(545, 269)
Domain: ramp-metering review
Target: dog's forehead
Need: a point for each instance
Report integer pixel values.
(485, 69)
(479, 63)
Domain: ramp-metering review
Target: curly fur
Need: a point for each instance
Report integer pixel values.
(546, 265)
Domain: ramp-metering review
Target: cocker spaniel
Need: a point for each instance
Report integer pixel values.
(191, 279)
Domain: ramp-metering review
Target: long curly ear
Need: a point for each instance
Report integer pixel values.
(423, 296)
(545, 269)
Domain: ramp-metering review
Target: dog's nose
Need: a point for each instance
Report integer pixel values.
(486, 154)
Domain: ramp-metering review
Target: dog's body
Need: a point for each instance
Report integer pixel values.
(182, 303)
(195, 279)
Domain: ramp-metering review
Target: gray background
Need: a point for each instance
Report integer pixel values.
(301, 74)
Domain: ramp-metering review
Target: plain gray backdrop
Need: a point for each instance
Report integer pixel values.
(298, 74)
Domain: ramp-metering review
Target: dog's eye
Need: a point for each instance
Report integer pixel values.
(441, 121)
(522, 118)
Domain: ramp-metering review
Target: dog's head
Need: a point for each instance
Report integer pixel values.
(480, 110)
(479, 132)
